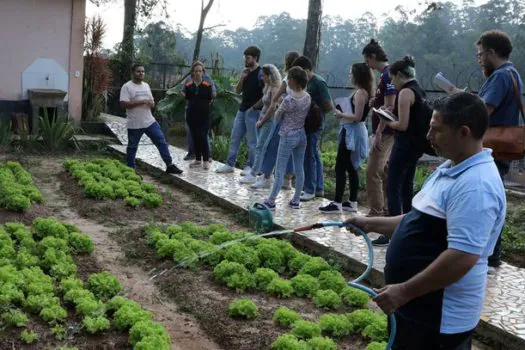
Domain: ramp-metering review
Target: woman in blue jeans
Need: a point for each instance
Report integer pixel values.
(272, 82)
(406, 151)
(271, 145)
(293, 111)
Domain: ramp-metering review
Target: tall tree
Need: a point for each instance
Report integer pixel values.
(313, 30)
(128, 47)
(204, 13)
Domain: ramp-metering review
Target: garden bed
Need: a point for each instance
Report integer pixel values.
(190, 303)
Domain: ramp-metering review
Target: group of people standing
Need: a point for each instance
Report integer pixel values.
(445, 238)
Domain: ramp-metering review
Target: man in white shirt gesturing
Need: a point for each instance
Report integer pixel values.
(136, 98)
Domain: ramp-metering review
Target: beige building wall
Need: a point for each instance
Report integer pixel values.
(30, 29)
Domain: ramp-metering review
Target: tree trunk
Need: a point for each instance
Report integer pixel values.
(313, 31)
(127, 46)
(204, 13)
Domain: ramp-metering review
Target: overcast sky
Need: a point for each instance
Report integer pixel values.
(242, 13)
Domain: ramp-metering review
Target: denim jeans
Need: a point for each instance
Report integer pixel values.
(244, 124)
(263, 133)
(294, 145)
(270, 156)
(313, 165)
(155, 134)
(400, 181)
(495, 258)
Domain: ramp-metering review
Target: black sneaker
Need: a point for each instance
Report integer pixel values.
(172, 169)
(382, 241)
(331, 208)
(189, 156)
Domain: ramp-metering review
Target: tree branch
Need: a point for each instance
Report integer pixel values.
(215, 26)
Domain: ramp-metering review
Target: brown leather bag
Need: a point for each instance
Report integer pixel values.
(507, 142)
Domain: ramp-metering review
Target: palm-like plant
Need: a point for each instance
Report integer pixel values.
(56, 132)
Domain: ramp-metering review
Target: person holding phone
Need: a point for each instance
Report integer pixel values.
(408, 106)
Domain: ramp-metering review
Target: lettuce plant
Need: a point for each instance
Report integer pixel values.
(305, 285)
(289, 342)
(243, 308)
(285, 317)
(335, 325)
(280, 287)
(354, 297)
(322, 343)
(327, 299)
(104, 285)
(263, 277)
(306, 329)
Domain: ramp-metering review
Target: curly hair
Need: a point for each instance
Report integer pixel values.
(275, 76)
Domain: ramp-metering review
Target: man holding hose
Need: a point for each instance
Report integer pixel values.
(436, 264)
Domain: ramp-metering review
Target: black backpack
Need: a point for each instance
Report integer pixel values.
(422, 125)
(314, 118)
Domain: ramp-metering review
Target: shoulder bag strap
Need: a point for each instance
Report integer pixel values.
(517, 95)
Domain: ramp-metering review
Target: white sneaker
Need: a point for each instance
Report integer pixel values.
(248, 179)
(261, 183)
(247, 170)
(195, 164)
(305, 197)
(223, 169)
(287, 184)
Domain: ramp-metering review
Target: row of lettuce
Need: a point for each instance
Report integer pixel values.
(39, 282)
(17, 190)
(244, 262)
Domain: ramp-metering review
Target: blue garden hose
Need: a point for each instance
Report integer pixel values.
(356, 283)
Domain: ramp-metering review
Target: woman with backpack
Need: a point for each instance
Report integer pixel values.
(411, 124)
(353, 140)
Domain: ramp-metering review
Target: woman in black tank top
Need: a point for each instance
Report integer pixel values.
(405, 153)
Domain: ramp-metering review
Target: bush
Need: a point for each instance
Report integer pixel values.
(335, 325)
(322, 343)
(354, 297)
(333, 280)
(305, 285)
(327, 299)
(280, 287)
(263, 277)
(289, 342)
(306, 329)
(285, 317)
(243, 308)
(104, 285)
(315, 266)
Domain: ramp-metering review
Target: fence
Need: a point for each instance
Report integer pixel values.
(163, 76)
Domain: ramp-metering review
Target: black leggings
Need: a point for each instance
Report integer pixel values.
(199, 129)
(343, 165)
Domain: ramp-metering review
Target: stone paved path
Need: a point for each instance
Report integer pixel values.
(505, 301)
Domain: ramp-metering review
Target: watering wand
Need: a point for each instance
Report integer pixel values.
(356, 283)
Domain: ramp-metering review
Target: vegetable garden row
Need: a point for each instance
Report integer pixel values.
(40, 281)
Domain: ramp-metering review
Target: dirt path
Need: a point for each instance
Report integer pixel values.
(184, 330)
